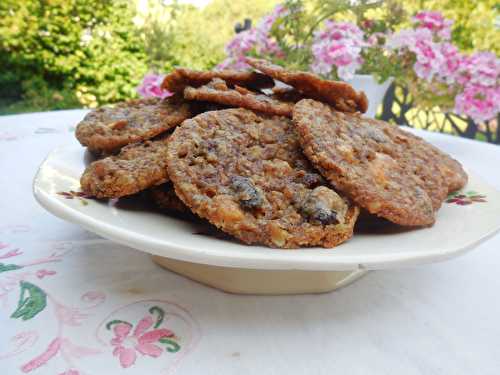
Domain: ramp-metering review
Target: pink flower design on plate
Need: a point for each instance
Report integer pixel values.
(141, 340)
(42, 273)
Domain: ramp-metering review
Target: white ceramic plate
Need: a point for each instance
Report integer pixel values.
(458, 228)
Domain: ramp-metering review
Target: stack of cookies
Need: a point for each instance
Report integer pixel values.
(285, 166)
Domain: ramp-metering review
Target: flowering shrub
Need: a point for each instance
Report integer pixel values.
(289, 35)
(437, 73)
(435, 22)
(422, 58)
(256, 39)
(338, 45)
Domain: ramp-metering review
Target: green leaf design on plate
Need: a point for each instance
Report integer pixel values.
(161, 314)
(172, 346)
(32, 300)
(117, 321)
(9, 267)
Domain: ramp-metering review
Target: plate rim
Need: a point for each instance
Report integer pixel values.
(186, 253)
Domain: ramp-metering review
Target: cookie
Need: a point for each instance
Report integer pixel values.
(379, 166)
(107, 129)
(137, 167)
(452, 171)
(245, 173)
(165, 198)
(338, 94)
(180, 78)
(286, 94)
(217, 91)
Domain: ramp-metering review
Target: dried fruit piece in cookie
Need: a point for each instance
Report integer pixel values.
(135, 168)
(107, 129)
(374, 163)
(245, 173)
(217, 91)
(338, 94)
(180, 78)
(164, 197)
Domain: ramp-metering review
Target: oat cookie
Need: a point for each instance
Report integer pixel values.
(452, 171)
(137, 167)
(217, 91)
(165, 198)
(107, 129)
(286, 94)
(338, 94)
(180, 78)
(379, 166)
(245, 173)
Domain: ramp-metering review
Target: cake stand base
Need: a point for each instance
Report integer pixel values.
(261, 282)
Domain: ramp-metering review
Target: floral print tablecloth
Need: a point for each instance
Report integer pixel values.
(73, 303)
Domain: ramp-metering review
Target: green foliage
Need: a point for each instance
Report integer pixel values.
(157, 30)
(114, 59)
(188, 36)
(80, 45)
(66, 53)
(38, 94)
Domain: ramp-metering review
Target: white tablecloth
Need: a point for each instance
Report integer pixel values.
(73, 303)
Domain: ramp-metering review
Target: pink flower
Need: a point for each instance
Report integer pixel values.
(448, 71)
(432, 59)
(42, 273)
(237, 63)
(482, 68)
(266, 23)
(151, 87)
(435, 22)
(429, 59)
(338, 46)
(407, 38)
(242, 43)
(141, 340)
(481, 103)
(257, 38)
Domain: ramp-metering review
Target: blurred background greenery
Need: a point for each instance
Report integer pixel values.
(57, 54)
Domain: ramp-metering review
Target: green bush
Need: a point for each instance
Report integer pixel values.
(38, 96)
(91, 52)
(82, 45)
